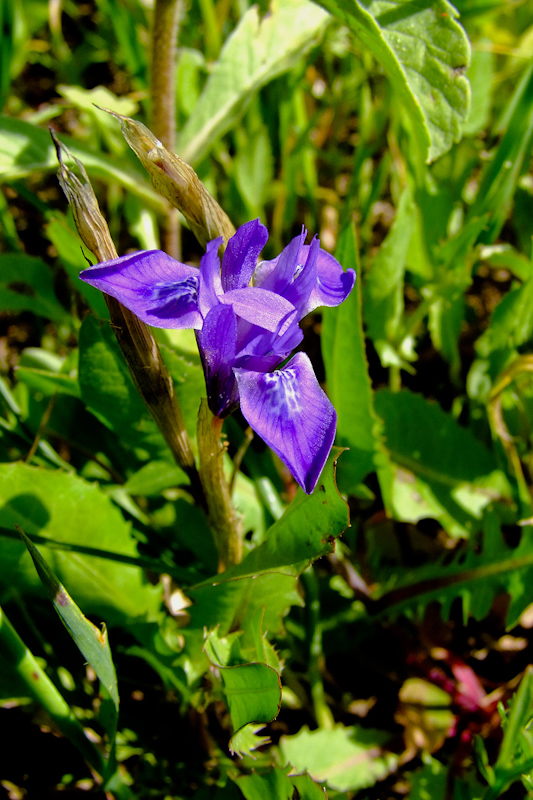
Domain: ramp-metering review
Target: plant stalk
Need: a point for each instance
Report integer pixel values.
(163, 96)
(223, 519)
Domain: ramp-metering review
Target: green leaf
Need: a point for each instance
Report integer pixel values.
(306, 531)
(383, 296)
(511, 324)
(26, 150)
(277, 785)
(511, 155)
(346, 758)
(246, 740)
(429, 479)
(257, 51)
(70, 253)
(253, 691)
(480, 571)
(65, 508)
(153, 478)
(108, 390)
(480, 74)
(26, 284)
(91, 642)
(425, 53)
(348, 381)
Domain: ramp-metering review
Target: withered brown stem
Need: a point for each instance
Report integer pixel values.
(141, 351)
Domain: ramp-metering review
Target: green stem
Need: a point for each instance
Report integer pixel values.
(222, 516)
(41, 688)
(163, 96)
(323, 714)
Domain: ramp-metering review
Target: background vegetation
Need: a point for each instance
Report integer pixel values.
(397, 664)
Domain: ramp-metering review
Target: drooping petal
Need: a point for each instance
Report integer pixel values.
(260, 307)
(210, 285)
(240, 257)
(333, 284)
(289, 410)
(159, 290)
(217, 342)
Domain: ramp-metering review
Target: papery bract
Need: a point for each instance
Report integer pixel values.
(246, 318)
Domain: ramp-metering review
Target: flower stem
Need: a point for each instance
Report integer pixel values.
(163, 96)
(223, 518)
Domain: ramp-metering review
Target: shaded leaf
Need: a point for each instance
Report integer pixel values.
(26, 284)
(427, 477)
(66, 508)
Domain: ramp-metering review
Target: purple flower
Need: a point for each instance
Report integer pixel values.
(246, 316)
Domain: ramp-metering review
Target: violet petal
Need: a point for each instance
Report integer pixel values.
(217, 343)
(240, 257)
(159, 290)
(289, 410)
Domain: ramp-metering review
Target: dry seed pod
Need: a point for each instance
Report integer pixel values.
(178, 182)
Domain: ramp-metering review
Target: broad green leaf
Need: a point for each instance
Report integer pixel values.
(424, 52)
(278, 785)
(26, 284)
(439, 470)
(26, 150)
(258, 50)
(252, 691)
(65, 508)
(348, 381)
(92, 642)
(108, 390)
(481, 571)
(346, 758)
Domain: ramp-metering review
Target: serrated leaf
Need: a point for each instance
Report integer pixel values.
(306, 531)
(276, 784)
(346, 758)
(252, 691)
(425, 53)
(246, 740)
(65, 508)
(348, 381)
(480, 572)
(257, 51)
(428, 478)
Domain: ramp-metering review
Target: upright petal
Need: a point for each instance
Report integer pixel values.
(333, 284)
(210, 285)
(159, 290)
(289, 410)
(240, 256)
(217, 343)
